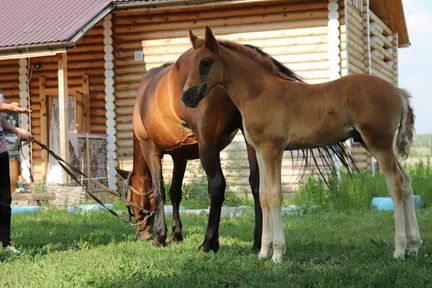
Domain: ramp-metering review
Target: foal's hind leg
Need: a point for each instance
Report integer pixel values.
(395, 184)
(413, 233)
(176, 196)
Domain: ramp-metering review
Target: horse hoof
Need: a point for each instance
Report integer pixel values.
(399, 254)
(413, 247)
(205, 247)
(143, 235)
(264, 253)
(159, 244)
(256, 247)
(177, 238)
(277, 258)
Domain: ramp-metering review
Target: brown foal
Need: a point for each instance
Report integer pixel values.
(280, 115)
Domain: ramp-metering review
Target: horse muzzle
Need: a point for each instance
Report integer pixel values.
(193, 95)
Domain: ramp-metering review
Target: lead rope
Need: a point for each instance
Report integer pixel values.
(24, 160)
(70, 170)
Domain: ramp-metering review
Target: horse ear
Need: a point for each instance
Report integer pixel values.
(196, 42)
(210, 40)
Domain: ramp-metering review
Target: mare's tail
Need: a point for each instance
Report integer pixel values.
(406, 127)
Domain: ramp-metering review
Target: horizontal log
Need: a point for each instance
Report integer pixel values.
(382, 75)
(377, 20)
(376, 46)
(249, 35)
(359, 63)
(220, 30)
(139, 68)
(124, 143)
(180, 13)
(354, 69)
(222, 21)
(354, 23)
(385, 41)
(383, 67)
(354, 12)
(33, 196)
(125, 102)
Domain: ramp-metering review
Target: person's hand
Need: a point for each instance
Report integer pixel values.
(15, 107)
(23, 134)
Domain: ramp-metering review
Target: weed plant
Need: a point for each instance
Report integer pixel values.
(355, 192)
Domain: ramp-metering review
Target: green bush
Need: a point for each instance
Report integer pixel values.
(421, 179)
(356, 192)
(195, 196)
(350, 193)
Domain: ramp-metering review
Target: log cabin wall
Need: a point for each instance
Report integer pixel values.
(87, 58)
(367, 46)
(9, 80)
(354, 58)
(293, 32)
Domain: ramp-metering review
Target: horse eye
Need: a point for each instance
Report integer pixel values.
(206, 62)
(205, 66)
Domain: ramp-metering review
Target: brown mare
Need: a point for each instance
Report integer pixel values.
(282, 115)
(163, 125)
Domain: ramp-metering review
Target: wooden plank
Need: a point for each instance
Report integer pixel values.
(43, 124)
(63, 110)
(86, 104)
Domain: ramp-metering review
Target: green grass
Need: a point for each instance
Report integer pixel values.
(324, 249)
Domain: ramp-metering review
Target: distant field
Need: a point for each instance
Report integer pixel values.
(421, 150)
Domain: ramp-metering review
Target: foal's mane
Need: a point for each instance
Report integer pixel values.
(264, 59)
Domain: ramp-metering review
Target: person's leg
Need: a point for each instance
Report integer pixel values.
(5, 201)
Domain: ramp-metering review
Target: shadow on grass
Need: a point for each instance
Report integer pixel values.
(58, 231)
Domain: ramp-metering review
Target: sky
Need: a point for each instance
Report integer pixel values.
(415, 62)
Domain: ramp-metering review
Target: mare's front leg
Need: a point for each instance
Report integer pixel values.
(210, 161)
(141, 181)
(176, 196)
(254, 182)
(153, 158)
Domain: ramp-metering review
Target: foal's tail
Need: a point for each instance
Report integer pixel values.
(406, 128)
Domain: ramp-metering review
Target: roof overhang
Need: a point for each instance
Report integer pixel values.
(173, 3)
(391, 12)
(52, 48)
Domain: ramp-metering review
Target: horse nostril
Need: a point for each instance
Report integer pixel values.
(188, 97)
(202, 89)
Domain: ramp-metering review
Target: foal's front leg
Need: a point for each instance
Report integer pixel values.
(210, 161)
(270, 159)
(266, 236)
(254, 182)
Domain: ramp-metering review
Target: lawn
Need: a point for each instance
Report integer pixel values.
(324, 249)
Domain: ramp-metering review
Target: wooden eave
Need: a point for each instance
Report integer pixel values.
(391, 13)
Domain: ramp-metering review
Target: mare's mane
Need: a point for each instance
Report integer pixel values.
(264, 59)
